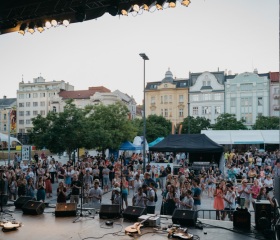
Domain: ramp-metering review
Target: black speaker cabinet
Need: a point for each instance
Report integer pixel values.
(33, 208)
(242, 219)
(132, 213)
(263, 214)
(3, 199)
(184, 217)
(21, 201)
(65, 209)
(110, 211)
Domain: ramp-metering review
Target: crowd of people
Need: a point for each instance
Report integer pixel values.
(247, 176)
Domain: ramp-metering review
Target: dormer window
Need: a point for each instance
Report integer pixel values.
(165, 85)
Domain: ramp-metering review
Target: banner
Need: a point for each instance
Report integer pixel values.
(13, 121)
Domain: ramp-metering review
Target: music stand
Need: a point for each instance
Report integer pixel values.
(82, 198)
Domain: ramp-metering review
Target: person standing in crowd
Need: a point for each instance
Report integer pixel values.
(196, 194)
(150, 192)
(21, 184)
(117, 196)
(187, 201)
(244, 192)
(30, 188)
(61, 193)
(276, 169)
(12, 188)
(52, 170)
(218, 201)
(268, 183)
(105, 175)
(75, 186)
(48, 184)
(139, 199)
(162, 178)
(171, 200)
(229, 202)
(41, 189)
(95, 194)
(88, 179)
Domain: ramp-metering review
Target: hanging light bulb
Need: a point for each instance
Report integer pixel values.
(54, 23)
(22, 29)
(31, 27)
(66, 22)
(48, 24)
(124, 12)
(186, 3)
(136, 8)
(145, 7)
(39, 27)
(159, 4)
(172, 3)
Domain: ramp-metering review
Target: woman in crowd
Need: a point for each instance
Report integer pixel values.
(30, 188)
(21, 184)
(41, 189)
(255, 189)
(219, 201)
(187, 200)
(171, 200)
(61, 193)
(48, 184)
(13, 188)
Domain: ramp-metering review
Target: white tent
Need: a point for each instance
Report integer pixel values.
(243, 136)
(5, 138)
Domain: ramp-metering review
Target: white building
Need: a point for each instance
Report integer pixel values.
(247, 96)
(35, 98)
(206, 95)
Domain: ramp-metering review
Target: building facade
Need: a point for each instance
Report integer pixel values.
(8, 110)
(167, 98)
(206, 95)
(247, 96)
(35, 98)
(274, 94)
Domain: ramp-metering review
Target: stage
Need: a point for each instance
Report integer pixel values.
(47, 226)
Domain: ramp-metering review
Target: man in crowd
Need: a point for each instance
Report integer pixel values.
(76, 185)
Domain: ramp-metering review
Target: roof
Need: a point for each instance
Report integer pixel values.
(182, 83)
(243, 136)
(7, 102)
(82, 94)
(191, 143)
(220, 76)
(274, 76)
(206, 88)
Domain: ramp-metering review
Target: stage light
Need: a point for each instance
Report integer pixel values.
(22, 29)
(39, 27)
(54, 23)
(186, 3)
(159, 4)
(136, 8)
(145, 7)
(124, 12)
(172, 3)
(31, 27)
(66, 22)
(48, 24)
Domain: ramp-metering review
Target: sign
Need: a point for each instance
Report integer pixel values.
(26, 153)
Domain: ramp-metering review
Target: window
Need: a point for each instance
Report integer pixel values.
(42, 112)
(206, 83)
(21, 122)
(161, 99)
(42, 104)
(233, 102)
(27, 104)
(217, 96)
(161, 111)
(217, 110)
(27, 113)
(170, 98)
(195, 98)
(35, 113)
(5, 127)
(246, 87)
(5, 116)
(42, 94)
(21, 113)
(260, 101)
(246, 101)
(206, 97)
(206, 110)
(181, 112)
(27, 121)
(20, 104)
(35, 95)
(195, 110)
(166, 112)
(21, 130)
(54, 109)
(165, 85)
(247, 117)
(165, 99)
(28, 95)
(181, 98)
(35, 104)
(153, 100)
(21, 96)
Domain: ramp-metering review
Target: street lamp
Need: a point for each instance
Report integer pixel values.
(144, 56)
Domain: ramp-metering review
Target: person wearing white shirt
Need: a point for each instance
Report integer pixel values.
(95, 194)
(139, 199)
(268, 183)
(187, 201)
(150, 192)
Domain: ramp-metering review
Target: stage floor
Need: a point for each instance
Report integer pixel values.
(46, 226)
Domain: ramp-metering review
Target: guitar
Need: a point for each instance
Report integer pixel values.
(10, 225)
(181, 233)
(136, 227)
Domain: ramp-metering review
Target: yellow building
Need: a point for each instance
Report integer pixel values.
(168, 98)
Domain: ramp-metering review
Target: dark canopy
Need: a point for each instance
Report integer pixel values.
(128, 146)
(187, 143)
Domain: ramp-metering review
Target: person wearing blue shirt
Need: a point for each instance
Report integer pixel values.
(196, 194)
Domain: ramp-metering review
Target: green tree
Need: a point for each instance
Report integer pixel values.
(266, 123)
(228, 121)
(196, 125)
(60, 131)
(109, 126)
(156, 126)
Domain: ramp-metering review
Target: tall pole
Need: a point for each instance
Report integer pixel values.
(144, 56)
(189, 119)
(9, 137)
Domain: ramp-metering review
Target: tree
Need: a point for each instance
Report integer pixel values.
(108, 126)
(266, 123)
(196, 125)
(228, 121)
(156, 126)
(60, 131)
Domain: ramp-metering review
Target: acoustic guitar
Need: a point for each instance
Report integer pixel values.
(181, 233)
(10, 225)
(136, 227)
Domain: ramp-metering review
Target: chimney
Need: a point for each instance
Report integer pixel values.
(5, 97)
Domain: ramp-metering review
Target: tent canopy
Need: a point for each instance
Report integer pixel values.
(128, 146)
(156, 141)
(243, 136)
(187, 143)
(5, 138)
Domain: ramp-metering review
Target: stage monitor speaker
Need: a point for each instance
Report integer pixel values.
(263, 214)
(186, 218)
(3, 199)
(132, 213)
(242, 219)
(21, 201)
(65, 209)
(110, 211)
(33, 208)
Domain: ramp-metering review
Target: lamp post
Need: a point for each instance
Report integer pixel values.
(144, 56)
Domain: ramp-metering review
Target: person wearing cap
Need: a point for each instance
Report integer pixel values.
(244, 192)
(95, 193)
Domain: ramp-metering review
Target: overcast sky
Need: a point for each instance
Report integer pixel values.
(235, 35)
